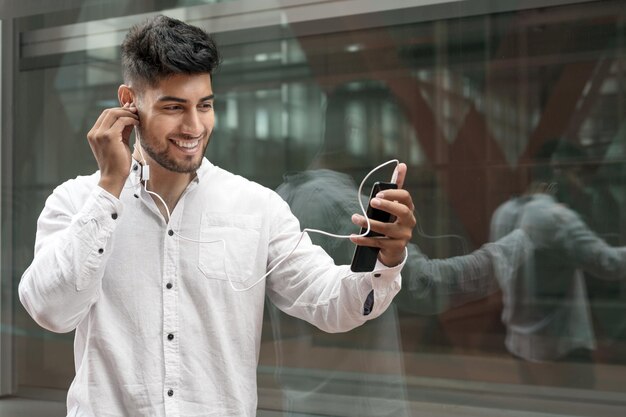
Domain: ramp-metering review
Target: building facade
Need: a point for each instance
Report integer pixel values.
(467, 93)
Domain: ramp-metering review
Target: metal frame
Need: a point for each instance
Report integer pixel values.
(7, 369)
(227, 17)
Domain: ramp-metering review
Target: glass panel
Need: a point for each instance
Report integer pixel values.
(509, 122)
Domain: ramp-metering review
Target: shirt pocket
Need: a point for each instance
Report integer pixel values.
(236, 256)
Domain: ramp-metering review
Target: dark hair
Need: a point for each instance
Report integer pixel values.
(555, 153)
(162, 46)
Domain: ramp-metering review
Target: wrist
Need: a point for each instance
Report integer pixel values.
(391, 261)
(113, 185)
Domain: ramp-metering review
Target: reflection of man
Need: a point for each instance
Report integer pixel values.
(324, 199)
(546, 310)
(159, 330)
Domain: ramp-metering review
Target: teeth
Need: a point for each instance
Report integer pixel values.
(187, 144)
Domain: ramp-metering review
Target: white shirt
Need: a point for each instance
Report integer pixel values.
(159, 330)
(546, 308)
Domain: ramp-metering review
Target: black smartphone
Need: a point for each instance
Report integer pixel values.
(364, 259)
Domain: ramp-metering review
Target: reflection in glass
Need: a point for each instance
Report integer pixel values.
(467, 102)
(546, 306)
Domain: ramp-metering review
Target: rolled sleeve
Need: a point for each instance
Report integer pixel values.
(95, 223)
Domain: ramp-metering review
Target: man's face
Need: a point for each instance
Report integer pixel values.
(176, 120)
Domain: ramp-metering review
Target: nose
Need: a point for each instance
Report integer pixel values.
(192, 124)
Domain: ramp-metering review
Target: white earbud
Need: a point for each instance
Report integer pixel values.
(145, 172)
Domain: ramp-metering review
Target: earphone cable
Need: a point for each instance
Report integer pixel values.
(305, 230)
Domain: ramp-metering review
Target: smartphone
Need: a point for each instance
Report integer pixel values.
(364, 259)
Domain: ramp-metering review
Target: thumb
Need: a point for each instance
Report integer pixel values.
(401, 169)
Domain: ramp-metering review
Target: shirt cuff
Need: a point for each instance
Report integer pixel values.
(385, 283)
(108, 202)
(384, 276)
(101, 207)
(94, 227)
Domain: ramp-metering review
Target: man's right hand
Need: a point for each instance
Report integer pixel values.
(108, 139)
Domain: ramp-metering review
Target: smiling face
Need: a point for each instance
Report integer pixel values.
(176, 120)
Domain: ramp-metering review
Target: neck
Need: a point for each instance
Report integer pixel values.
(167, 184)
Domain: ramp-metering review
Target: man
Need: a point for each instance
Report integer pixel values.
(146, 280)
(546, 307)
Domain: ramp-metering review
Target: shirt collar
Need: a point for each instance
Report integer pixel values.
(201, 172)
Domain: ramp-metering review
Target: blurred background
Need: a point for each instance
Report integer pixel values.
(466, 93)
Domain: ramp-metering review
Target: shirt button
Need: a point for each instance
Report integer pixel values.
(377, 275)
(170, 232)
(170, 336)
(114, 216)
(101, 251)
(169, 286)
(136, 196)
(170, 392)
(135, 167)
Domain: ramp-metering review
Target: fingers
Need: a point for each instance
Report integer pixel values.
(399, 229)
(401, 174)
(396, 202)
(385, 244)
(116, 131)
(112, 123)
(399, 204)
(108, 116)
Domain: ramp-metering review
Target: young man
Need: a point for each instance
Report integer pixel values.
(546, 309)
(148, 283)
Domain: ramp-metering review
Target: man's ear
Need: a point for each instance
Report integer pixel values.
(125, 95)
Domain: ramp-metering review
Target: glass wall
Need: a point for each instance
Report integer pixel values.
(506, 116)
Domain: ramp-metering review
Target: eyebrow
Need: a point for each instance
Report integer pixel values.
(182, 100)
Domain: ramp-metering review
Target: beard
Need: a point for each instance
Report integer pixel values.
(188, 164)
